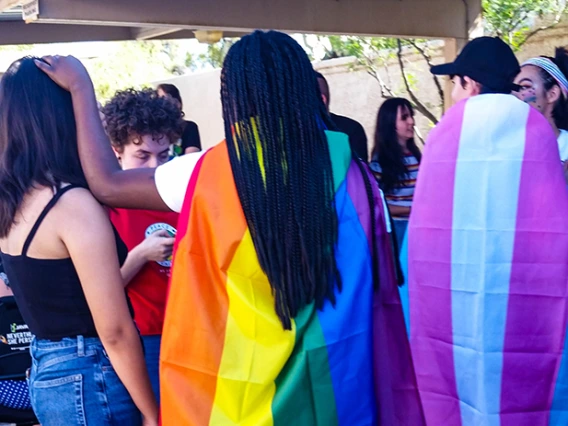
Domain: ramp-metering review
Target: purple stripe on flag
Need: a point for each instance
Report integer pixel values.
(536, 315)
(430, 251)
(395, 382)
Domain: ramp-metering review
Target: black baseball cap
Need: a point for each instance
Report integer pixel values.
(487, 60)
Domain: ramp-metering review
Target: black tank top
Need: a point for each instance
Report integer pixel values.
(48, 291)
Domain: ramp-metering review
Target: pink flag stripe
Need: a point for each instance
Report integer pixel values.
(430, 251)
(537, 309)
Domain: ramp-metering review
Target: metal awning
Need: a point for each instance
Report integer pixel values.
(105, 20)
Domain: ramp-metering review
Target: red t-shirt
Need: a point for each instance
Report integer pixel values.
(148, 289)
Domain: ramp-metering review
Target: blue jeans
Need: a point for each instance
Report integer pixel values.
(400, 226)
(72, 382)
(152, 357)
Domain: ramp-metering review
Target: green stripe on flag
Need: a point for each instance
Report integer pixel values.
(304, 390)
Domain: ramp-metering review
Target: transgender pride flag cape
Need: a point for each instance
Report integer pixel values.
(488, 269)
(225, 358)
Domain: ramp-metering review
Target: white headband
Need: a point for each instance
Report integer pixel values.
(552, 69)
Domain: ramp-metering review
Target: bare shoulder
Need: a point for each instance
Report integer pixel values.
(79, 204)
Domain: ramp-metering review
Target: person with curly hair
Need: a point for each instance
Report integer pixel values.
(283, 306)
(142, 126)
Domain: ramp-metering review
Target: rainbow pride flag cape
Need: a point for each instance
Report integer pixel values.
(488, 269)
(225, 358)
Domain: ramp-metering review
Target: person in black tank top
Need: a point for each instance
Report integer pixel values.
(63, 258)
(39, 283)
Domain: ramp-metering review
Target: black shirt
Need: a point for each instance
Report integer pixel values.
(49, 292)
(190, 136)
(356, 133)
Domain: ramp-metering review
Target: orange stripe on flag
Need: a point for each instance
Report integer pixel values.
(196, 314)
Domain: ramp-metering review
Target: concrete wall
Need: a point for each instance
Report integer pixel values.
(357, 94)
(354, 92)
(544, 42)
(201, 95)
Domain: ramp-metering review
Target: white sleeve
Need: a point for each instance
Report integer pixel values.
(173, 178)
(563, 144)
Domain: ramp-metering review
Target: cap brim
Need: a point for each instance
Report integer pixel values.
(444, 69)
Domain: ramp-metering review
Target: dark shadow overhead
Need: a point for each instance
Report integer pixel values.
(104, 20)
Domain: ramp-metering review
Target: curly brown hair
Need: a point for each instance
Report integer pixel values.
(134, 113)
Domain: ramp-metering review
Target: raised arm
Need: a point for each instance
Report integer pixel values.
(111, 185)
(93, 252)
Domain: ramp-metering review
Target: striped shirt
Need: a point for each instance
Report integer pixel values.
(404, 193)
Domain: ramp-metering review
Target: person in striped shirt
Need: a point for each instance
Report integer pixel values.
(395, 159)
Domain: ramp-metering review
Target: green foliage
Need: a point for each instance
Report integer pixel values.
(412, 80)
(216, 53)
(138, 63)
(16, 48)
(515, 20)
(132, 64)
(360, 46)
(377, 54)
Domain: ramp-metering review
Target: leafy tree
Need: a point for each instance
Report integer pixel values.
(515, 21)
(133, 64)
(137, 63)
(375, 55)
(216, 53)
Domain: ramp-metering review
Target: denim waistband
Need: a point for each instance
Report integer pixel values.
(79, 342)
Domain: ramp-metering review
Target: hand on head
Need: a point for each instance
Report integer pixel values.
(67, 71)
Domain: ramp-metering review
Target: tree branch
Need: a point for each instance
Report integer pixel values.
(309, 48)
(428, 60)
(554, 23)
(418, 105)
(386, 92)
(369, 64)
(513, 24)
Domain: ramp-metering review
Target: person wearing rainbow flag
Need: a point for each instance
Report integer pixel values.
(283, 305)
(488, 255)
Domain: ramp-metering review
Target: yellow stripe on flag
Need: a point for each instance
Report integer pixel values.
(256, 346)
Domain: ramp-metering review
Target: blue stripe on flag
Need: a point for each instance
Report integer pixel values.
(348, 332)
(403, 290)
(484, 218)
(559, 411)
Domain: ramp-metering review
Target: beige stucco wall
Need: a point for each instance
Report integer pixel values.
(544, 42)
(354, 92)
(201, 97)
(357, 94)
